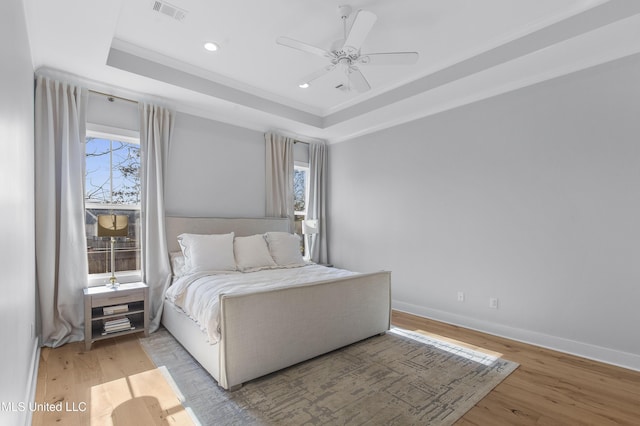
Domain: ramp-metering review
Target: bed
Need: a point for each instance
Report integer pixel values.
(267, 329)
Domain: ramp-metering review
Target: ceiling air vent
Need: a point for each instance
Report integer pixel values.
(169, 10)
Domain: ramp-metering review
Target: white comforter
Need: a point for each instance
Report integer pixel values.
(198, 294)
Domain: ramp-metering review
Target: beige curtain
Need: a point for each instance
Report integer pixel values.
(316, 205)
(279, 177)
(156, 127)
(61, 245)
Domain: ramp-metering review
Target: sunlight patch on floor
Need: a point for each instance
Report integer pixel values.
(143, 398)
(462, 349)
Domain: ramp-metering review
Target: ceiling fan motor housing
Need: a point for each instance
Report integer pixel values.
(344, 11)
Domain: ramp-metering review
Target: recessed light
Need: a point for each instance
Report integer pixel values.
(303, 85)
(211, 46)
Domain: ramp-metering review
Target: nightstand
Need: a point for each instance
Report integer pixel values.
(114, 312)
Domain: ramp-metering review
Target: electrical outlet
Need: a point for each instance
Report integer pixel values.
(460, 296)
(493, 302)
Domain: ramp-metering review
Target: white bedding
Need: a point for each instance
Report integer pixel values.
(198, 294)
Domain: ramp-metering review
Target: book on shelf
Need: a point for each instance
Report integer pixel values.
(104, 333)
(116, 321)
(116, 324)
(116, 309)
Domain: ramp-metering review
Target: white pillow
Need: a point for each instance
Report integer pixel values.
(177, 263)
(285, 248)
(252, 253)
(207, 252)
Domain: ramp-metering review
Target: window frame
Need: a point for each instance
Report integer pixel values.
(299, 165)
(298, 215)
(120, 135)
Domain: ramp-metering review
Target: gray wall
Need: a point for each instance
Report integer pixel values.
(532, 197)
(17, 251)
(215, 169)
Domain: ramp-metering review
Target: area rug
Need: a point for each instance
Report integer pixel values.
(400, 378)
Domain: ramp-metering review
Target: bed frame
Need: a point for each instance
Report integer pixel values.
(266, 331)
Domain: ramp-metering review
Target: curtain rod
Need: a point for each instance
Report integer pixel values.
(112, 97)
(297, 138)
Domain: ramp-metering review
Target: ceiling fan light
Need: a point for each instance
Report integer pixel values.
(211, 46)
(303, 85)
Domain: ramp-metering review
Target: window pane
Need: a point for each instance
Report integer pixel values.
(126, 176)
(112, 186)
(112, 172)
(97, 172)
(299, 189)
(126, 250)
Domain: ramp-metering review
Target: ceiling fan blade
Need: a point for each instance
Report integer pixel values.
(392, 58)
(360, 28)
(295, 44)
(314, 76)
(357, 80)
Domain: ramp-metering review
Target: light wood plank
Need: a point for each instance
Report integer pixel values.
(116, 379)
(549, 387)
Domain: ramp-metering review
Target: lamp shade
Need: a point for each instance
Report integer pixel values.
(310, 226)
(113, 225)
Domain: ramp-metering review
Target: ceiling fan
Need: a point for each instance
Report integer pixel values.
(345, 53)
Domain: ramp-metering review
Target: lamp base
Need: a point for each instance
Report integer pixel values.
(113, 283)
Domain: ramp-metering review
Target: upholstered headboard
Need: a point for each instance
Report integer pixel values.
(242, 227)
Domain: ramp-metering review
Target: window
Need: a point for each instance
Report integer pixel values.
(112, 186)
(300, 196)
(300, 190)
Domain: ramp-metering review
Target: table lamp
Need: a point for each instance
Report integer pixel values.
(309, 228)
(113, 225)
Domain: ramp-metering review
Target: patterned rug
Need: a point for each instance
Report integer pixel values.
(400, 378)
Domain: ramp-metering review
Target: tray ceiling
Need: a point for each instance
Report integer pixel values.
(468, 49)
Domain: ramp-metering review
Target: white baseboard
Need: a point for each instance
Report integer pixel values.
(32, 381)
(581, 349)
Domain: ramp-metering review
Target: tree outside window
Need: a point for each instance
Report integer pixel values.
(300, 194)
(300, 190)
(112, 186)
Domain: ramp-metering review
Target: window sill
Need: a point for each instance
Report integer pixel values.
(95, 280)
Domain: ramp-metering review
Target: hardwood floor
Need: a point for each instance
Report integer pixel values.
(113, 384)
(549, 388)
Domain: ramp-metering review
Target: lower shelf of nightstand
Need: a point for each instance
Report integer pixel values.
(99, 336)
(136, 319)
